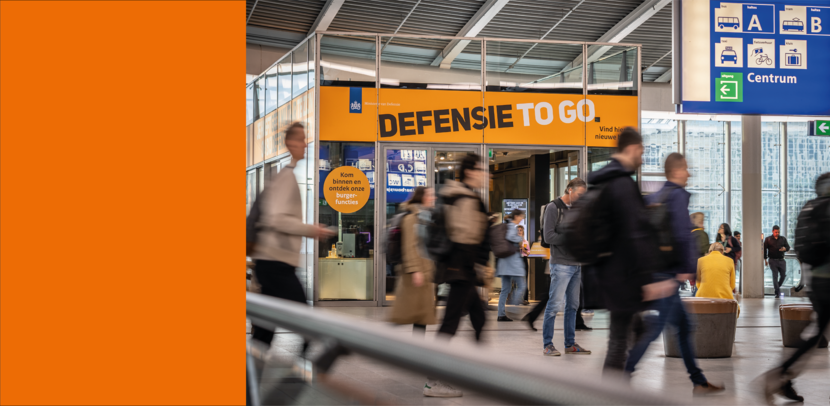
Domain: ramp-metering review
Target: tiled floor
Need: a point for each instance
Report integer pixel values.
(757, 348)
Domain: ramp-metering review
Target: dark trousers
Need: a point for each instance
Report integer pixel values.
(670, 311)
(779, 272)
(463, 296)
(618, 338)
(277, 279)
(537, 310)
(820, 296)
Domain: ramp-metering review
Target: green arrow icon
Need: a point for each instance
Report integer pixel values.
(822, 127)
(729, 87)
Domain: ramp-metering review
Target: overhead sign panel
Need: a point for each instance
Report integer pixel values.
(768, 57)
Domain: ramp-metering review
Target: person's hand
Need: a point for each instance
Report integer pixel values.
(659, 290)
(766, 262)
(417, 279)
(782, 249)
(323, 232)
(727, 250)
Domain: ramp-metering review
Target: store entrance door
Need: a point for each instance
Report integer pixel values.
(529, 178)
(403, 168)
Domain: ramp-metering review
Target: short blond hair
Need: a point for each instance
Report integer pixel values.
(716, 247)
(697, 218)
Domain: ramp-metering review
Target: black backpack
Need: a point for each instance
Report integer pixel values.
(393, 239)
(498, 241)
(812, 232)
(543, 242)
(251, 227)
(661, 224)
(438, 243)
(587, 227)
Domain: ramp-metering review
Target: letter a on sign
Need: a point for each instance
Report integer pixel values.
(754, 23)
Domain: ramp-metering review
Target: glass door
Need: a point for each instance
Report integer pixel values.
(405, 167)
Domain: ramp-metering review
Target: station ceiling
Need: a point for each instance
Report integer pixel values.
(284, 23)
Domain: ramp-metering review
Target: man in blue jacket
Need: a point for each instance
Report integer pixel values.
(670, 308)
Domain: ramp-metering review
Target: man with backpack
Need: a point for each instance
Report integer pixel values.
(812, 244)
(677, 262)
(458, 242)
(565, 274)
(280, 231)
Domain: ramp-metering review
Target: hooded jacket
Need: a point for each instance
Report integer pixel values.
(558, 253)
(466, 224)
(628, 269)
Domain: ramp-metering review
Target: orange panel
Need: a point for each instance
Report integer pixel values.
(534, 118)
(427, 116)
(612, 114)
(338, 124)
(271, 134)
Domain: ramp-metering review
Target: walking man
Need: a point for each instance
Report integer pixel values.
(675, 198)
(281, 231)
(774, 248)
(565, 274)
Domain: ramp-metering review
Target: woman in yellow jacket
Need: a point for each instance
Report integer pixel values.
(716, 275)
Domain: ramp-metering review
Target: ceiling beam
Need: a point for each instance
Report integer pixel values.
(400, 25)
(473, 27)
(621, 30)
(326, 16)
(665, 77)
(571, 10)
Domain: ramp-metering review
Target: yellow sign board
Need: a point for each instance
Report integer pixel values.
(347, 189)
(416, 115)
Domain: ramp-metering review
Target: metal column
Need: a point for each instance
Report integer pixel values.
(752, 273)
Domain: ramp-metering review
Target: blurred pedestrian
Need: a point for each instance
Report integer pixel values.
(774, 248)
(716, 275)
(670, 309)
(817, 235)
(623, 274)
(414, 292)
(280, 230)
(466, 223)
(511, 269)
(565, 275)
(525, 249)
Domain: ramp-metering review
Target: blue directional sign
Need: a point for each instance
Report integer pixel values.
(766, 57)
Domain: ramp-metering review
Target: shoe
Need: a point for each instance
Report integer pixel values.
(789, 392)
(525, 303)
(504, 318)
(437, 389)
(576, 349)
(587, 312)
(527, 319)
(551, 351)
(708, 389)
(583, 328)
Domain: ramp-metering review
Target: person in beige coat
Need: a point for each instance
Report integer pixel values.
(280, 233)
(414, 292)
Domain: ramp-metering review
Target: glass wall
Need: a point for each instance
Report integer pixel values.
(613, 72)
(736, 180)
(416, 63)
(533, 67)
(706, 157)
(346, 262)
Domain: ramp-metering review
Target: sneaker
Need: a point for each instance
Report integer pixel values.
(708, 389)
(504, 318)
(437, 389)
(576, 349)
(551, 351)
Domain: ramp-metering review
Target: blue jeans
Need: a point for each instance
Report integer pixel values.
(506, 286)
(670, 311)
(563, 295)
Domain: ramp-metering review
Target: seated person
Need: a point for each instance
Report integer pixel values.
(716, 275)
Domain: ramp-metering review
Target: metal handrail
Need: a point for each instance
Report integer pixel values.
(477, 369)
